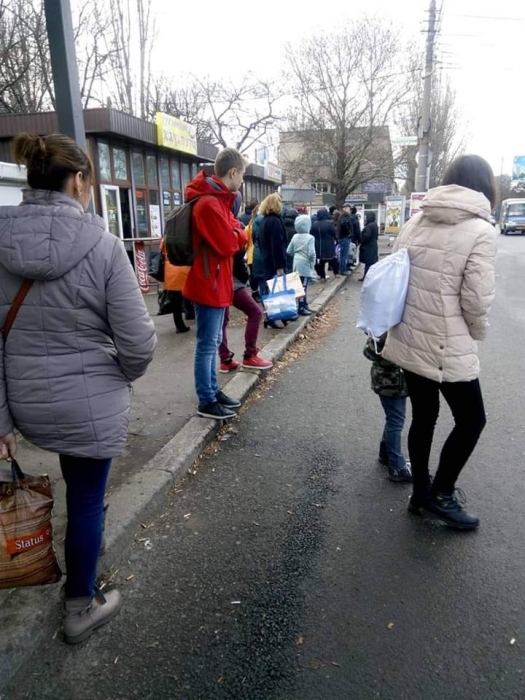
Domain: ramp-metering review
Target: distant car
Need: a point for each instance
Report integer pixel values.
(512, 216)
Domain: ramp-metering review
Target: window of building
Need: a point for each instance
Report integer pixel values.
(165, 173)
(186, 175)
(138, 168)
(104, 161)
(194, 170)
(166, 202)
(175, 175)
(323, 187)
(151, 163)
(120, 164)
(142, 214)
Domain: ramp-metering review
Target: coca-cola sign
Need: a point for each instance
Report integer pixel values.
(141, 266)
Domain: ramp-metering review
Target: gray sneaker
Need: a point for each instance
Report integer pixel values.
(82, 616)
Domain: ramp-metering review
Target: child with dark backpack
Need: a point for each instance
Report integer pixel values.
(388, 381)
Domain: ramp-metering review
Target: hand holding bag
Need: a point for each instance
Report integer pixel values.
(280, 306)
(290, 281)
(27, 557)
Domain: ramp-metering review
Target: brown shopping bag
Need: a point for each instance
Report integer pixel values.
(27, 557)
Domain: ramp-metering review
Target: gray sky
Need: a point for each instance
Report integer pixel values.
(482, 55)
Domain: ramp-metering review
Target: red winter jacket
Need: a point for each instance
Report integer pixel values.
(213, 223)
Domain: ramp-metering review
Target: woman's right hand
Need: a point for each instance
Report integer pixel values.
(8, 447)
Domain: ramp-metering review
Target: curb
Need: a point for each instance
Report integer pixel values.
(27, 608)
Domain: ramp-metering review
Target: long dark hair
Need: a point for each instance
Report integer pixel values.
(474, 173)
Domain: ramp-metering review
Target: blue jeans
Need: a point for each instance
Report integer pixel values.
(209, 321)
(344, 247)
(85, 488)
(395, 412)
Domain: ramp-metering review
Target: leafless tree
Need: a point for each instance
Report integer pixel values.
(446, 139)
(129, 38)
(226, 113)
(26, 83)
(346, 86)
(506, 190)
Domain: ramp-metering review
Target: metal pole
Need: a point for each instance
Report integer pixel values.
(424, 127)
(65, 73)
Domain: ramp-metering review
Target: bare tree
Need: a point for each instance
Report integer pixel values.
(26, 83)
(346, 86)
(233, 113)
(129, 39)
(446, 139)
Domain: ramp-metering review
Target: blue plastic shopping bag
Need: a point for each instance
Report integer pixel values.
(280, 306)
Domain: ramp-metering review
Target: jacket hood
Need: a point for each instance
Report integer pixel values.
(323, 215)
(370, 217)
(46, 235)
(451, 204)
(202, 184)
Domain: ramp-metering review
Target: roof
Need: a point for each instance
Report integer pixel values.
(97, 121)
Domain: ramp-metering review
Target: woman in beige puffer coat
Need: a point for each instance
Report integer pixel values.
(452, 247)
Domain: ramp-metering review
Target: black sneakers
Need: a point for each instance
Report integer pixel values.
(215, 410)
(225, 401)
(446, 507)
(221, 409)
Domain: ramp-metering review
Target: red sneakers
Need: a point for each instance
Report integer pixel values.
(227, 367)
(256, 362)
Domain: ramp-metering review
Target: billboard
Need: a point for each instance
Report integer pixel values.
(518, 170)
(176, 134)
(395, 214)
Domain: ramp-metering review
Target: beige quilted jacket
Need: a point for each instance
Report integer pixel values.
(452, 247)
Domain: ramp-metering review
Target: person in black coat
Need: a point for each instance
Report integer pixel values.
(369, 252)
(272, 236)
(325, 235)
(289, 216)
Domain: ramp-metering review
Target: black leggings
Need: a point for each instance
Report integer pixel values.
(466, 403)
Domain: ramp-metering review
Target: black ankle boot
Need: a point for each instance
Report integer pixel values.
(448, 507)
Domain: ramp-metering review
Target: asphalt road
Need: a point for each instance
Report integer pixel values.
(287, 567)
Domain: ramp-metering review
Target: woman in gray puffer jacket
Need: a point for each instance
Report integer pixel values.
(81, 336)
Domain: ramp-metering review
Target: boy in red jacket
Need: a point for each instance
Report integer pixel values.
(217, 236)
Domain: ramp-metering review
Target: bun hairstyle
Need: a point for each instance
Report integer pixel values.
(50, 160)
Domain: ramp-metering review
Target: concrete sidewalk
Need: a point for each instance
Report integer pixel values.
(165, 438)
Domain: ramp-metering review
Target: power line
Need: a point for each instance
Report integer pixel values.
(491, 18)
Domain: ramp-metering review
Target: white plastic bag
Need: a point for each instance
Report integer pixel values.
(383, 294)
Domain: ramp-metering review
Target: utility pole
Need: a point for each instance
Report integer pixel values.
(424, 125)
(65, 72)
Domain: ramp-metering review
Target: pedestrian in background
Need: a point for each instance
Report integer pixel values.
(369, 251)
(248, 212)
(217, 236)
(175, 277)
(254, 285)
(289, 216)
(452, 246)
(325, 235)
(302, 251)
(388, 382)
(345, 232)
(243, 300)
(82, 334)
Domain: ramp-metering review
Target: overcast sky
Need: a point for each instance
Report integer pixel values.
(481, 45)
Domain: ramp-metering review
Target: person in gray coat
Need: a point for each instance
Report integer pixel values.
(81, 336)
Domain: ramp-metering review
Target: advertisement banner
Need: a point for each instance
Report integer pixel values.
(273, 173)
(518, 170)
(176, 134)
(141, 266)
(395, 214)
(416, 199)
(154, 217)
